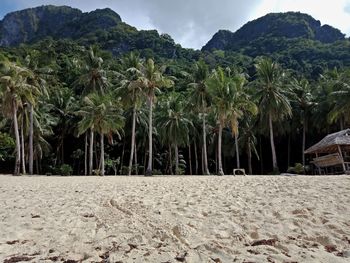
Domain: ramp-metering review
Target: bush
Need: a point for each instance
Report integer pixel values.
(298, 168)
(66, 170)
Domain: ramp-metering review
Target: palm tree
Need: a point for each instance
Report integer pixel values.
(39, 83)
(272, 96)
(132, 95)
(15, 90)
(221, 89)
(240, 105)
(339, 99)
(103, 115)
(304, 102)
(174, 126)
(152, 80)
(93, 79)
(199, 97)
(249, 139)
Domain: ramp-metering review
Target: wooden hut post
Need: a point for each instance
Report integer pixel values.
(319, 169)
(342, 159)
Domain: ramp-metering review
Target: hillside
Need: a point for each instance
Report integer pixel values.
(102, 26)
(295, 40)
(275, 25)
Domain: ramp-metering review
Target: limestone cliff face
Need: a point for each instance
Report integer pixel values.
(275, 25)
(52, 21)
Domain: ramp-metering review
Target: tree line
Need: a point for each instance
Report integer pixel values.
(131, 115)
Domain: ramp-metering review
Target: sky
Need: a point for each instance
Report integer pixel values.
(192, 23)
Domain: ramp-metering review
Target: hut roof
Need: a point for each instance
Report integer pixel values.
(330, 143)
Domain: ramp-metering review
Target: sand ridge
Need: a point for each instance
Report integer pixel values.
(175, 219)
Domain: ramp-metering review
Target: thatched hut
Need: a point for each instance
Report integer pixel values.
(332, 153)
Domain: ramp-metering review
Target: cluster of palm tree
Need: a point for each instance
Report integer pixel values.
(136, 103)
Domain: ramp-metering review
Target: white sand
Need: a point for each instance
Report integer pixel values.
(193, 219)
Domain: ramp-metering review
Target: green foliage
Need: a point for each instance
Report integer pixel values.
(7, 145)
(66, 170)
(298, 168)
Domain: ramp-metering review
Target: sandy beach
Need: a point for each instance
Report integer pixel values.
(175, 219)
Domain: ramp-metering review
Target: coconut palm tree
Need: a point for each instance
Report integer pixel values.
(273, 97)
(36, 79)
(240, 105)
(304, 102)
(16, 90)
(103, 115)
(339, 99)
(152, 80)
(174, 125)
(93, 78)
(132, 95)
(199, 96)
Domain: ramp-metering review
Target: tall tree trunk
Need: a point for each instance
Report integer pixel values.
(221, 171)
(273, 149)
(122, 159)
(31, 136)
(341, 123)
(132, 139)
(170, 160)
(136, 164)
(261, 157)
(102, 158)
(91, 151)
(202, 161)
(196, 156)
(249, 151)
(190, 158)
(23, 148)
(237, 152)
(86, 155)
(304, 141)
(288, 151)
(205, 156)
(18, 142)
(150, 143)
(176, 159)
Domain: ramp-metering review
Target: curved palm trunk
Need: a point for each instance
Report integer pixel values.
(102, 158)
(18, 142)
(176, 159)
(205, 157)
(31, 136)
(221, 172)
(273, 149)
(150, 129)
(249, 150)
(23, 149)
(132, 139)
(237, 152)
(91, 151)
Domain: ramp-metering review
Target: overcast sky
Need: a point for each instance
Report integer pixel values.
(193, 22)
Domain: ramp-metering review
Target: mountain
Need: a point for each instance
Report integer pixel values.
(290, 25)
(102, 26)
(53, 21)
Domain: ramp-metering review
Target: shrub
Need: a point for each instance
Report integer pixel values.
(66, 169)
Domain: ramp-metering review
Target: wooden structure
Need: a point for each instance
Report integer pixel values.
(332, 153)
(239, 172)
